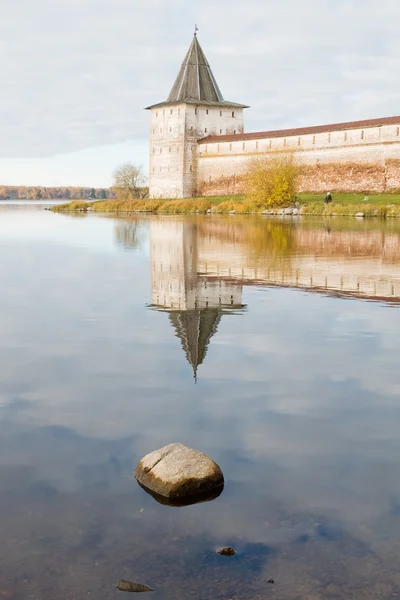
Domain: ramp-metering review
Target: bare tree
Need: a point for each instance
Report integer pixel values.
(129, 179)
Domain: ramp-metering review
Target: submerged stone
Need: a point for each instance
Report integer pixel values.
(177, 471)
(178, 501)
(131, 586)
(227, 551)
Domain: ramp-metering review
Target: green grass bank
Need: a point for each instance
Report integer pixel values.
(367, 205)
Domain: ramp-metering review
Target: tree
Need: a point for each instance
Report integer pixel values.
(272, 181)
(92, 194)
(102, 195)
(129, 180)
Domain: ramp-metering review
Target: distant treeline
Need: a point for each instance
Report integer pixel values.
(67, 193)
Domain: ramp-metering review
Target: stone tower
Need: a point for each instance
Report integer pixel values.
(194, 110)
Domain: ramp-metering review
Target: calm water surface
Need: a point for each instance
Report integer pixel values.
(271, 345)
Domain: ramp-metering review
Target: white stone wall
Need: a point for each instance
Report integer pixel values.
(174, 152)
(372, 145)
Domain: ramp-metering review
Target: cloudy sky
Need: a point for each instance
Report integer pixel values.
(76, 74)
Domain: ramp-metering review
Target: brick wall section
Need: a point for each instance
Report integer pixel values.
(357, 160)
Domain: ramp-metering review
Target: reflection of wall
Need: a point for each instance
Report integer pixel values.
(358, 263)
(198, 269)
(175, 278)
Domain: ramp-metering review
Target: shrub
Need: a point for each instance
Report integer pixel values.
(272, 181)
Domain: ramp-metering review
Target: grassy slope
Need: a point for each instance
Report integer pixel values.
(343, 204)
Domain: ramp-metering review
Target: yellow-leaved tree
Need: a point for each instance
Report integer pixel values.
(272, 180)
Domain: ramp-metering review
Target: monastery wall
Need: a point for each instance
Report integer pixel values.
(354, 160)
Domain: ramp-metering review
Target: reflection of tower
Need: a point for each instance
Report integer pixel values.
(194, 302)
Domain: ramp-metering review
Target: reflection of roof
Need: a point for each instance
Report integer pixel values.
(196, 83)
(195, 329)
(259, 135)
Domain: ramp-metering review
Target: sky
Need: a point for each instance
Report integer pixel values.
(77, 74)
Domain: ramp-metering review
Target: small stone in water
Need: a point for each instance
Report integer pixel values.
(270, 580)
(228, 551)
(131, 586)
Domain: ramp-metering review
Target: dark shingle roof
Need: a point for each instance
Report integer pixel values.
(196, 83)
(302, 130)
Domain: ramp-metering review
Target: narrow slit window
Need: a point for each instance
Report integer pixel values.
(362, 134)
(244, 145)
(270, 143)
(256, 145)
(156, 114)
(205, 130)
(191, 168)
(234, 132)
(313, 140)
(207, 111)
(284, 142)
(230, 146)
(220, 130)
(345, 136)
(206, 149)
(299, 141)
(398, 131)
(195, 111)
(218, 148)
(329, 138)
(170, 112)
(220, 113)
(233, 114)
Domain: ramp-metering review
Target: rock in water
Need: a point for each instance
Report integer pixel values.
(131, 586)
(227, 551)
(177, 471)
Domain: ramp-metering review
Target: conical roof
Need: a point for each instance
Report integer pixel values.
(195, 329)
(195, 80)
(196, 83)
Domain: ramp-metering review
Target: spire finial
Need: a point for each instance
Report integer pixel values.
(195, 29)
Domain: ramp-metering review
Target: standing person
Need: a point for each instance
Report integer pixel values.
(328, 198)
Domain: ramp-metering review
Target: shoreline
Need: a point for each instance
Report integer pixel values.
(239, 205)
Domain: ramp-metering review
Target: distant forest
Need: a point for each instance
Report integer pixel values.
(52, 193)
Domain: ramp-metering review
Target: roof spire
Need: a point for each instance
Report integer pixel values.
(196, 83)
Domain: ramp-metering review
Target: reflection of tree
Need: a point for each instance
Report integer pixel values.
(263, 239)
(127, 234)
(272, 240)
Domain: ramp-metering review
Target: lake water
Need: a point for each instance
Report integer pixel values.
(273, 346)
